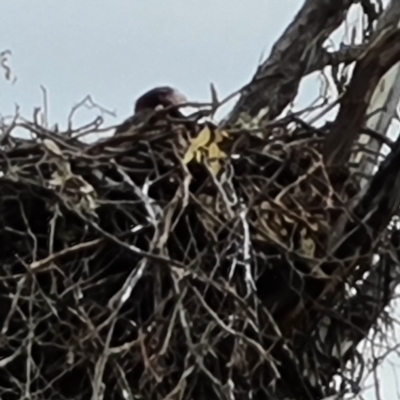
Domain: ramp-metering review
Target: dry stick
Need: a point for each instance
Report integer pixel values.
(40, 264)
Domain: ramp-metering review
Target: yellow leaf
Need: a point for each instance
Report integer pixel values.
(224, 133)
(201, 140)
(215, 166)
(214, 151)
(219, 136)
(188, 156)
(198, 156)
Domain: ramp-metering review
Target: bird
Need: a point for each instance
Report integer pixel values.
(158, 98)
(163, 96)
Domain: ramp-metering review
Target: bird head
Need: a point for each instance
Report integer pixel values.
(160, 97)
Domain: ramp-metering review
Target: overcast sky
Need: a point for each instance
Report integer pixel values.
(114, 50)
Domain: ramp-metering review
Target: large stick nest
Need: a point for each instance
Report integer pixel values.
(144, 267)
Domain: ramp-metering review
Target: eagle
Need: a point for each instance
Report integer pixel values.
(153, 100)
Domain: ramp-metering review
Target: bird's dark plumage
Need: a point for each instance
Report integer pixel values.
(164, 96)
(154, 99)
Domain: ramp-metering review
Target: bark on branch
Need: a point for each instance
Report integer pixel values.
(298, 52)
(345, 55)
(382, 54)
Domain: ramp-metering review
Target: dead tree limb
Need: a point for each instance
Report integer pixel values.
(381, 55)
(297, 53)
(384, 102)
(375, 292)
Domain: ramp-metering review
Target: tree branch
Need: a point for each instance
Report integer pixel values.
(384, 101)
(345, 55)
(382, 54)
(295, 54)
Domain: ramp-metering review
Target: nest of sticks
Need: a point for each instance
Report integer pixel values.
(170, 262)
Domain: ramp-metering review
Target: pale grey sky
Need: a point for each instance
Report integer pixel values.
(114, 50)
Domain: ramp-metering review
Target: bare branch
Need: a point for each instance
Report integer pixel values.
(294, 55)
(382, 54)
(347, 54)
